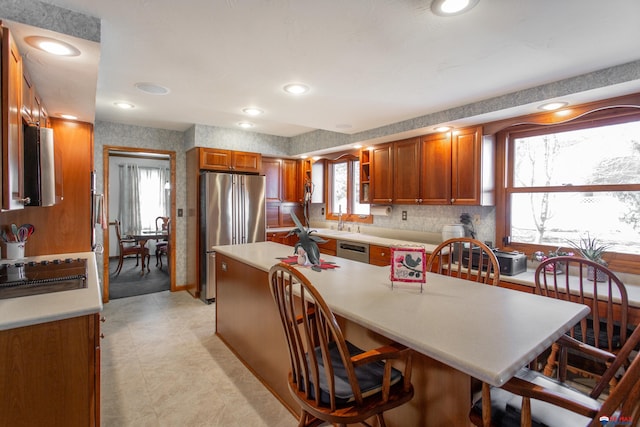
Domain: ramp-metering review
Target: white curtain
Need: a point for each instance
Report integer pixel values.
(143, 196)
(129, 212)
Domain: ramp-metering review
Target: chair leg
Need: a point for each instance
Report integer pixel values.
(120, 259)
(551, 360)
(148, 261)
(137, 260)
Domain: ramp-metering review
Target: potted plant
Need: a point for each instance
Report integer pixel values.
(307, 247)
(592, 249)
(541, 256)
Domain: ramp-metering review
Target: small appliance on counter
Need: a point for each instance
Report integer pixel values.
(452, 231)
(511, 263)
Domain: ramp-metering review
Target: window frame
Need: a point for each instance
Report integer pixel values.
(348, 216)
(547, 123)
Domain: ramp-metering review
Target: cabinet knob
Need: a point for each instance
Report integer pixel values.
(25, 201)
(453, 200)
(390, 200)
(382, 254)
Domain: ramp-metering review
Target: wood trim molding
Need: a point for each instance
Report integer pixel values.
(631, 102)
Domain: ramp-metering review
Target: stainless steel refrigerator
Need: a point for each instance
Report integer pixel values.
(232, 211)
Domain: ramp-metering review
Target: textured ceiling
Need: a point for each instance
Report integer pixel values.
(369, 63)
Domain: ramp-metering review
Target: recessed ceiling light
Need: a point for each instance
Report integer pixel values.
(68, 116)
(452, 7)
(443, 128)
(357, 146)
(296, 88)
(550, 106)
(52, 46)
(245, 125)
(152, 88)
(124, 105)
(252, 111)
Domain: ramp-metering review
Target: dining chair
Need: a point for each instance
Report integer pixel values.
(162, 225)
(572, 278)
(333, 380)
(128, 247)
(466, 258)
(533, 399)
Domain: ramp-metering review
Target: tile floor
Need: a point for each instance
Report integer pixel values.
(162, 365)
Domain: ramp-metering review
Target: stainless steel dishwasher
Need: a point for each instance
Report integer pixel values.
(353, 251)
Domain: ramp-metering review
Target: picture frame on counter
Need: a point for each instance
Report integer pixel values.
(408, 265)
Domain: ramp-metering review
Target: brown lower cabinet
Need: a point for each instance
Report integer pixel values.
(379, 255)
(50, 374)
(247, 322)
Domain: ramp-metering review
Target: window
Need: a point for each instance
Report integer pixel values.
(566, 180)
(344, 191)
(153, 195)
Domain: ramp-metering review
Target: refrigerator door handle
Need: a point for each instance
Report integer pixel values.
(235, 210)
(242, 217)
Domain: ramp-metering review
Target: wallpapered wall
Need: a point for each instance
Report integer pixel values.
(113, 134)
(429, 219)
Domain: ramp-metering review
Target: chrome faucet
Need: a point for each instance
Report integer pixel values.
(340, 222)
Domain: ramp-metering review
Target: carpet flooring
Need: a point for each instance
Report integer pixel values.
(130, 282)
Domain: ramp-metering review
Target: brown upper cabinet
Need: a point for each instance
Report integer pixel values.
(283, 180)
(11, 120)
(406, 171)
(313, 180)
(291, 188)
(229, 160)
(437, 169)
(381, 170)
(458, 168)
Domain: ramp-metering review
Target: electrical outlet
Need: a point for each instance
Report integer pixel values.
(404, 215)
(180, 212)
(322, 211)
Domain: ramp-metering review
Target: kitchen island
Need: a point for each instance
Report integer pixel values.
(50, 353)
(460, 330)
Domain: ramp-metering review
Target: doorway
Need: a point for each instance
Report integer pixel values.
(149, 166)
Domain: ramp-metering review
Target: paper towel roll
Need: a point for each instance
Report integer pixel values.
(381, 210)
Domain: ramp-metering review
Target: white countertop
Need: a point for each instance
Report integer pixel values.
(360, 238)
(34, 309)
(485, 331)
(526, 278)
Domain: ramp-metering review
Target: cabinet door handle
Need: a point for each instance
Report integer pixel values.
(381, 253)
(453, 200)
(25, 201)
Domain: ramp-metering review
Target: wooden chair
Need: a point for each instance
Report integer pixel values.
(333, 380)
(568, 278)
(162, 225)
(458, 256)
(129, 247)
(532, 399)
